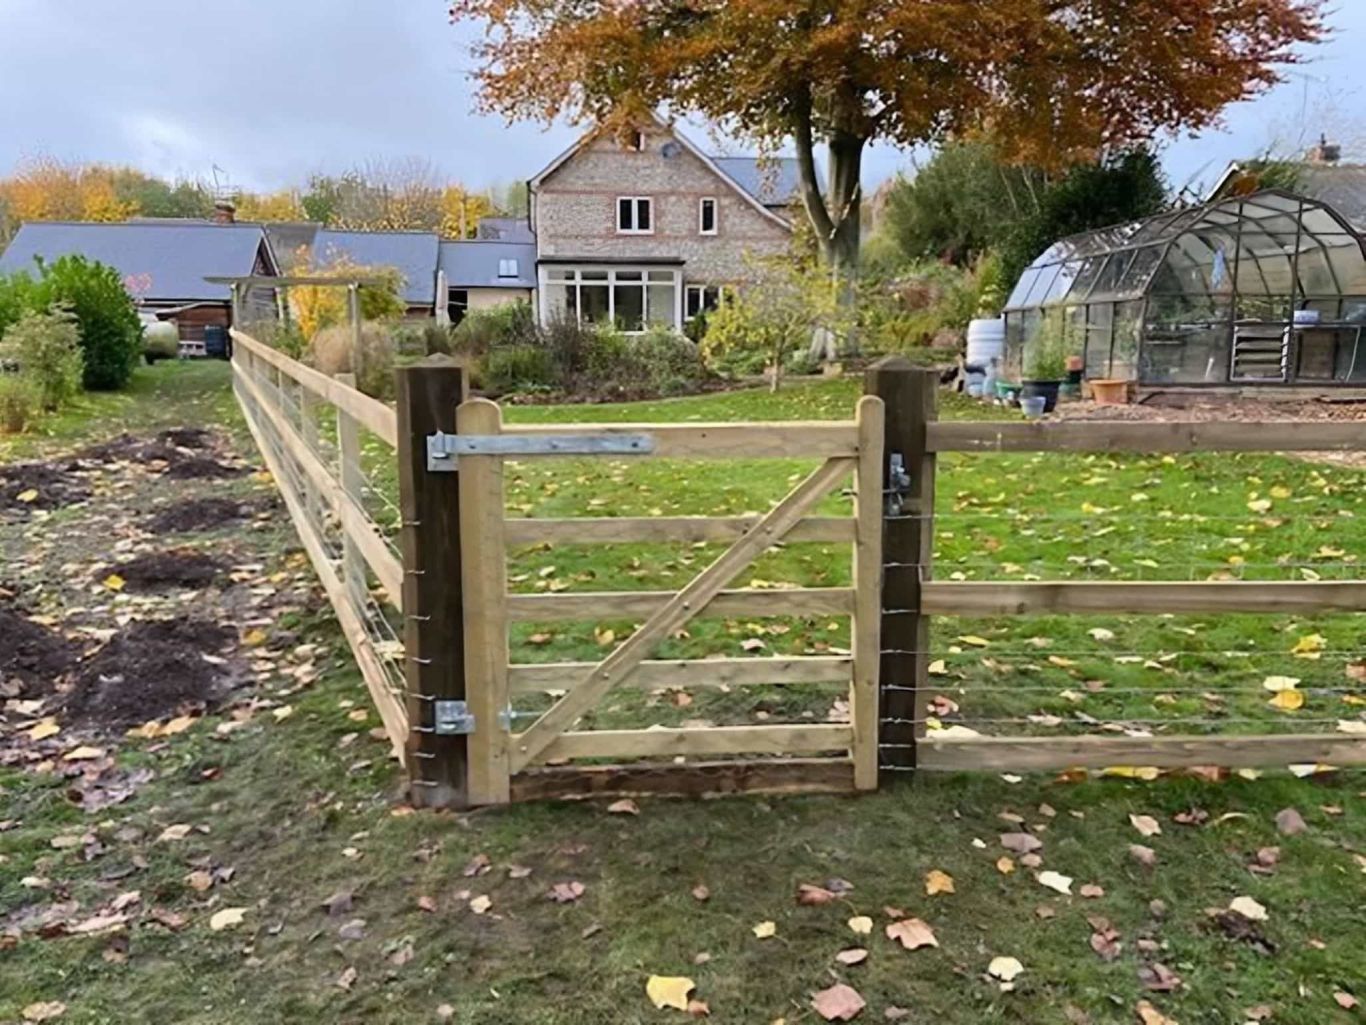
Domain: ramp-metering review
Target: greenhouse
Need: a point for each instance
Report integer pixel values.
(1263, 289)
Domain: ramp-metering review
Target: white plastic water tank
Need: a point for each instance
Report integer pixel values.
(986, 340)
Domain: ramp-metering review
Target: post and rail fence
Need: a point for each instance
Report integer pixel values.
(403, 515)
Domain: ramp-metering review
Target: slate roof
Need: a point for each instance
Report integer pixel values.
(506, 229)
(1341, 186)
(475, 264)
(773, 181)
(414, 253)
(160, 261)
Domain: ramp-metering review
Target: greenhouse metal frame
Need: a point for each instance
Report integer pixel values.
(1263, 289)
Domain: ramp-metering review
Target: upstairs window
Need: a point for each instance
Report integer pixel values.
(633, 215)
(507, 268)
(706, 215)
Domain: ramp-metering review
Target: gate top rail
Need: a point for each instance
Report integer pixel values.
(1148, 436)
(778, 439)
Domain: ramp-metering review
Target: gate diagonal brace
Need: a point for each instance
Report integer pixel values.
(444, 450)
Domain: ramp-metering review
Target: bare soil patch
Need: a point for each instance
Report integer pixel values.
(41, 485)
(202, 514)
(1168, 407)
(185, 451)
(160, 571)
(151, 670)
(32, 657)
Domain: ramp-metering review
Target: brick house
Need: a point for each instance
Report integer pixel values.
(648, 232)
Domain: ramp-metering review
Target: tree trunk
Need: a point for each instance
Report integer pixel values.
(846, 201)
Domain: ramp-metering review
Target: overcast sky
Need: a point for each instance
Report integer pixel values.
(269, 91)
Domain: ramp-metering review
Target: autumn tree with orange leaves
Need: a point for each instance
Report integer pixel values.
(1054, 81)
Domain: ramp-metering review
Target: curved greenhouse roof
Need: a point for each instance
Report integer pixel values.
(1272, 242)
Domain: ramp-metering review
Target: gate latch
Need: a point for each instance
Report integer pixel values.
(898, 484)
(452, 718)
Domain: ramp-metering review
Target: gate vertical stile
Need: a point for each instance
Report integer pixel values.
(433, 607)
(910, 395)
(867, 621)
(484, 569)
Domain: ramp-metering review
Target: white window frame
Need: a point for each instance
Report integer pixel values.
(635, 202)
(702, 228)
(571, 277)
(507, 267)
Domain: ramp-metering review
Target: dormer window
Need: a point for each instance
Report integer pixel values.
(507, 268)
(634, 215)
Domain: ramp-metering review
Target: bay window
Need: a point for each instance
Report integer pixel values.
(631, 299)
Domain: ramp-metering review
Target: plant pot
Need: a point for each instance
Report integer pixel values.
(1008, 392)
(1047, 390)
(1109, 392)
(1075, 363)
(1032, 406)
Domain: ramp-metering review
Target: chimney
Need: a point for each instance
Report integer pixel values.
(1325, 152)
(224, 212)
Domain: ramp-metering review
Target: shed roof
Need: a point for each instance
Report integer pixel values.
(413, 253)
(158, 260)
(477, 264)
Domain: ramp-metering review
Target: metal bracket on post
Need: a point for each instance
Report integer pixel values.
(444, 450)
(451, 718)
(898, 484)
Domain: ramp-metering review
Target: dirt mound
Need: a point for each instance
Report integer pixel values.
(53, 485)
(158, 571)
(200, 468)
(32, 654)
(201, 514)
(151, 670)
(188, 437)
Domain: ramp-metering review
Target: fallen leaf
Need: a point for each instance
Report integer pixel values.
(669, 991)
(114, 582)
(625, 806)
(1248, 908)
(1345, 1000)
(838, 1003)
(1055, 881)
(1020, 843)
(1145, 856)
(347, 978)
(1289, 822)
(565, 893)
(1004, 968)
(43, 729)
(1159, 978)
(226, 918)
(852, 956)
(765, 930)
(862, 925)
(1005, 865)
(1150, 1015)
(699, 1009)
(1287, 700)
(179, 831)
(937, 882)
(480, 904)
(807, 893)
(912, 934)
(1146, 825)
(700, 893)
(28, 496)
(199, 881)
(1091, 891)
(84, 753)
(44, 1010)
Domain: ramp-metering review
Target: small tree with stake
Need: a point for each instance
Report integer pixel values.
(1057, 80)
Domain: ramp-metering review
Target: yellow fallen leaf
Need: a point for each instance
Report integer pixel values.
(862, 925)
(254, 637)
(937, 882)
(669, 991)
(85, 753)
(1260, 505)
(1004, 968)
(1248, 908)
(1150, 1015)
(1309, 644)
(1005, 865)
(1146, 825)
(1287, 700)
(179, 724)
(114, 582)
(1280, 683)
(1279, 491)
(481, 904)
(911, 933)
(27, 496)
(226, 919)
(1055, 881)
(282, 713)
(975, 641)
(43, 1010)
(177, 832)
(937, 668)
(1148, 773)
(46, 728)
(765, 929)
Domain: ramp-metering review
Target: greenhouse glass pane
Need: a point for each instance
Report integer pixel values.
(1140, 271)
(1022, 288)
(1099, 322)
(1128, 327)
(1350, 267)
(1113, 274)
(1042, 284)
(1316, 276)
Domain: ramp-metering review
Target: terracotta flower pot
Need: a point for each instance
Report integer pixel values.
(1109, 392)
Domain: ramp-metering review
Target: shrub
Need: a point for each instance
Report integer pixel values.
(518, 368)
(316, 307)
(332, 351)
(494, 327)
(111, 333)
(47, 348)
(287, 337)
(19, 402)
(425, 339)
(665, 363)
(18, 293)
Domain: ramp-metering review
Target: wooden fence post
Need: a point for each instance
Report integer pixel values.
(910, 397)
(433, 607)
(352, 482)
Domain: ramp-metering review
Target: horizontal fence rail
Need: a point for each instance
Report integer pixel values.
(1147, 436)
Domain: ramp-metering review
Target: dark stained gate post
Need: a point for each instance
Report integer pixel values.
(433, 608)
(911, 398)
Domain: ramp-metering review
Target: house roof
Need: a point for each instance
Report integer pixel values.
(159, 261)
(414, 253)
(1341, 186)
(506, 229)
(711, 162)
(286, 238)
(773, 181)
(476, 263)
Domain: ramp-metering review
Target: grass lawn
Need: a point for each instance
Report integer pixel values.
(292, 813)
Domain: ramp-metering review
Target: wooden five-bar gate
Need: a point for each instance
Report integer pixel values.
(450, 710)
